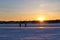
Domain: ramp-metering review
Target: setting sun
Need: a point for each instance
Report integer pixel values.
(41, 19)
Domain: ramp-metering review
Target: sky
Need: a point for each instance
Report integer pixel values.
(16, 10)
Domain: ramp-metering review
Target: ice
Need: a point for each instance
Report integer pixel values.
(15, 32)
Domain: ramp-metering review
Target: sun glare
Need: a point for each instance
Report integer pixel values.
(41, 19)
(42, 27)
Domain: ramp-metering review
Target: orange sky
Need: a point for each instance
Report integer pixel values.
(15, 10)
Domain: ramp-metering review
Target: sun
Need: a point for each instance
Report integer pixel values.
(41, 19)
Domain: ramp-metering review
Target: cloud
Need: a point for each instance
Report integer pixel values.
(53, 7)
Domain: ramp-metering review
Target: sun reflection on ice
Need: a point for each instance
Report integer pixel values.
(41, 27)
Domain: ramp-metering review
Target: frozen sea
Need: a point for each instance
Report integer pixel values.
(31, 32)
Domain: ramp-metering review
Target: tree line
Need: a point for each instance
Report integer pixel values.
(34, 21)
